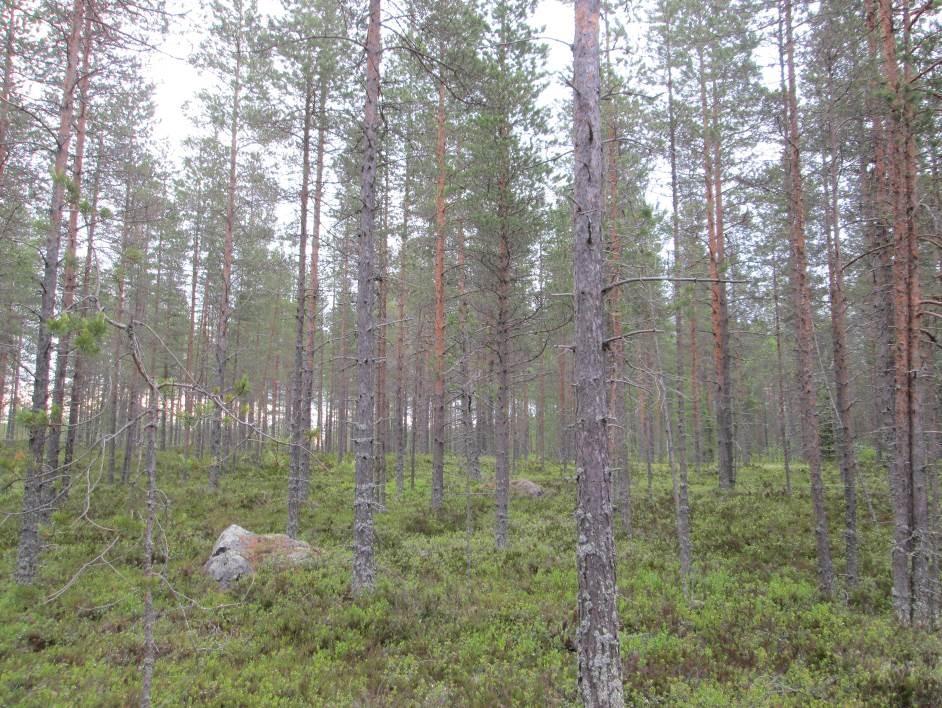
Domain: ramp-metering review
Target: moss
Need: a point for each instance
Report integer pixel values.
(452, 622)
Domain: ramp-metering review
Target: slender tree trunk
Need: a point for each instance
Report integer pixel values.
(805, 325)
(78, 373)
(514, 418)
(401, 393)
(912, 539)
(363, 563)
(679, 480)
(4, 367)
(382, 407)
(924, 583)
(600, 676)
(15, 394)
(844, 400)
(301, 423)
(191, 331)
(695, 395)
(323, 417)
(223, 315)
(28, 548)
(485, 428)
(525, 418)
(646, 432)
(134, 395)
(470, 447)
(425, 410)
(878, 209)
(726, 437)
(718, 314)
(782, 401)
(618, 432)
(331, 396)
(562, 450)
(438, 395)
(203, 345)
(150, 444)
(418, 398)
(502, 421)
(341, 364)
(6, 88)
(541, 416)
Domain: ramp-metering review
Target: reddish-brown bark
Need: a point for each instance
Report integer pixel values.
(35, 481)
(719, 317)
(804, 324)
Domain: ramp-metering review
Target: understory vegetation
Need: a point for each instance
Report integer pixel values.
(452, 621)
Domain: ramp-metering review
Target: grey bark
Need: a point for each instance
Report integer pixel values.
(469, 446)
(401, 394)
(679, 480)
(600, 676)
(301, 418)
(363, 561)
(842, 392)
(222, 322)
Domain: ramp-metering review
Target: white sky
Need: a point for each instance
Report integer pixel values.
(177, 82)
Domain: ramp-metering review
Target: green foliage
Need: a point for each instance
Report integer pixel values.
(134, 255)
(31, 419)
(242, 387)
(89, 332)
(451, 621)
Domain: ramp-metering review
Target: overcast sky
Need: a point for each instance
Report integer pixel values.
(177, 82)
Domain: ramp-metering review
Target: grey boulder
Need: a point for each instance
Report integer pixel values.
(239, 552)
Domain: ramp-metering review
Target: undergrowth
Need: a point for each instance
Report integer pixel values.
(452, 621)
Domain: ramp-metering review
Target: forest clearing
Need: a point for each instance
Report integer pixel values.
(486, 352)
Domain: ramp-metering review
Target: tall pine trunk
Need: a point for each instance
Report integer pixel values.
(718, 314)
(502, 422)
(70, 284)
(36, 477)
(844, 400)
(805, 324)
(63, 350)
(401, 392)
(600, 682)
(469, 446)
(6, 87)
(911, 560)
(780, 370)
(301, 418)
(382, 406)
(363, 562)
(223, 313)
(438, 392)
(618, 432)
(679, 443)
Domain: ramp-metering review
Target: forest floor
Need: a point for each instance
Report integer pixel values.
(452, 621)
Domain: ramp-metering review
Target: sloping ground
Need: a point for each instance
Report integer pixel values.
(452, 622)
